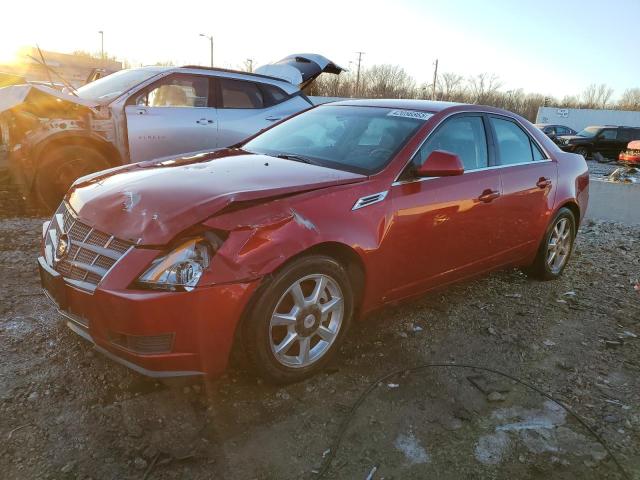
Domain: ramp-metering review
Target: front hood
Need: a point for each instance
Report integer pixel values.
(151, 202)
(41, 97)
(572, 139)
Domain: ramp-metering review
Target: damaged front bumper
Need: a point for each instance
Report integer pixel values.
(157, 334)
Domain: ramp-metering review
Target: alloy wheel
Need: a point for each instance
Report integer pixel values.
(559, 245)
(306, 321)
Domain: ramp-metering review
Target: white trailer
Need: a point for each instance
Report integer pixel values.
(579, 118)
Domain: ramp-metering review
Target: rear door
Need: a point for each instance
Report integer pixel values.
(606, 142)
(528, 187)
(173, 115)
(445, 228)
(246, 107)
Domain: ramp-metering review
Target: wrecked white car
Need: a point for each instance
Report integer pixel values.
(49, 138)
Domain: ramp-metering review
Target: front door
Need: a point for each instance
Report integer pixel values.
(445, 228)
(174, 115)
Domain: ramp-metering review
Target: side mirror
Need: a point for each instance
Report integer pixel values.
(441, 164)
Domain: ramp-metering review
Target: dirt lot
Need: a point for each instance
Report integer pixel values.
(67, 412)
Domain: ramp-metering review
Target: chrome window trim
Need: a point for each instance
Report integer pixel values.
(479, 112)
(493, 167)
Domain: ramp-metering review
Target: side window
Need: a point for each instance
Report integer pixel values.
(240, 94)
(272, 95)
(537, 154)
(514, 146)
(562, 131)
(177, 91)
(462, 135)
(608, 134)
(624, 134)
(635, 134)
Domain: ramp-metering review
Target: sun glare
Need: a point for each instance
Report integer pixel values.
(9, 54)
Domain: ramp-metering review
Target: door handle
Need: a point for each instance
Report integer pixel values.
(273, 119)
(141, 111)
(204, 121)
(543, 182)
(489, 195)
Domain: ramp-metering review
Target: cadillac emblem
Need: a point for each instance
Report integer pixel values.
(63, 247)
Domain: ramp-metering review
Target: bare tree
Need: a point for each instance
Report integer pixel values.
(387, 81)
(449, 86)
(483, 87)
(391, 81)
(596, 96)
(630, 99)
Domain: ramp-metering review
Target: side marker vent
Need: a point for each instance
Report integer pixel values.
(370, 200)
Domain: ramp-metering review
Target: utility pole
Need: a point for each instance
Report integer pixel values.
(101, 45)
(210, 37)
(435, 79)
(358, 74)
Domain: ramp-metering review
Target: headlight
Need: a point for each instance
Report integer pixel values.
(181, 269)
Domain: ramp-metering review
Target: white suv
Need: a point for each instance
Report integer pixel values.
(143, 113)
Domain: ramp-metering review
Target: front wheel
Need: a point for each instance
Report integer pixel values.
(299, 319)
(60, 167)
(556, 247)
(583, 151)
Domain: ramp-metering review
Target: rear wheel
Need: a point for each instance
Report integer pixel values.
(556, 247)
(299, 319)
(60, 167)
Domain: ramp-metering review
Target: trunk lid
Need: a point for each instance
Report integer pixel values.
(300, 68)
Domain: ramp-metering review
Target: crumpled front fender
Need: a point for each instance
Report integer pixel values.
(258, 247)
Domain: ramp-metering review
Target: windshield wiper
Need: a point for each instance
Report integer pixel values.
(295, 157)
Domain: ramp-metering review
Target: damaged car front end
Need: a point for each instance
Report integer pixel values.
(51, 137)
(164, 290)
(36, 121)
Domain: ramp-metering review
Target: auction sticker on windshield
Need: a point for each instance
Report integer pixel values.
(410, 114)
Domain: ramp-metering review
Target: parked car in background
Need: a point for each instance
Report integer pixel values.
(50, 138)
(631, 154)
(278, 243)
(555, 131)
(607, 140)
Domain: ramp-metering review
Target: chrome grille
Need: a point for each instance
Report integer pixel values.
(90, 254)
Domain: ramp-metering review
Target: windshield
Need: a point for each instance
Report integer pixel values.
(112, 86)
(588, 132)
(357, 139)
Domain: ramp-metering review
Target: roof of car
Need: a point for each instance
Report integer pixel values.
(229, 70)
(422, 105)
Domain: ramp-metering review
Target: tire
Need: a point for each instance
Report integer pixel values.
(60, 167)
(546, 266)
(277, 321)
(582, 151)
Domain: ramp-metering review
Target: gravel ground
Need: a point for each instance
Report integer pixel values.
(67, 412)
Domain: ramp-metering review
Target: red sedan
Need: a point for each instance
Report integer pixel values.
(277, 244)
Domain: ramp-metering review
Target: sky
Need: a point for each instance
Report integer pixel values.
(552, 47)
